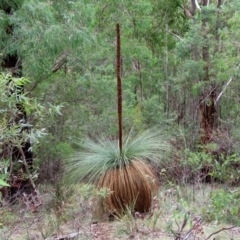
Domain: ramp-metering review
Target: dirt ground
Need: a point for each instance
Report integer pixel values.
(73, 218)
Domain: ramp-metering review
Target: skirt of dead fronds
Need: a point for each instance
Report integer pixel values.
(132, 187)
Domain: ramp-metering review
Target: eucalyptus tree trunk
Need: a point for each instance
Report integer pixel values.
(208, 111)
(206, 101)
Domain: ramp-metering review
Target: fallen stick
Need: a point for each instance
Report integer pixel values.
(64, 237)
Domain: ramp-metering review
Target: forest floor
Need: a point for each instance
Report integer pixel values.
(181, 213)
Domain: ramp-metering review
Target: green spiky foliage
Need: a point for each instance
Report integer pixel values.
(128, 174)
(103, 154)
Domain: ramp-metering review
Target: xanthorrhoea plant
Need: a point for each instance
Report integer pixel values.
(125, 167)
(129, 173)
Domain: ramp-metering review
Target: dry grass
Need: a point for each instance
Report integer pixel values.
(75, 216)
(133, 185)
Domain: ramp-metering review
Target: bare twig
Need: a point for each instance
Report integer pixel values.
(196, 224)
(59, 62)
(36, 84)
(225, 87)
(71, 235)
(178, 234)
(197, 5)
(175, 35)
(65, 237)
(220, 230)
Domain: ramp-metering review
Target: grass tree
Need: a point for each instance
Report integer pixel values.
(125, 166)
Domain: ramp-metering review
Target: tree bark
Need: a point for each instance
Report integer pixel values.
(207, 107)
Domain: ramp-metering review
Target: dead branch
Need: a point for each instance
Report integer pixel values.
(70, 236)
(65, 237)
(175, 35)
(194, 227)
(225, 87)
(197, 5)
(59, 62)
(26, 167)
(220, 230)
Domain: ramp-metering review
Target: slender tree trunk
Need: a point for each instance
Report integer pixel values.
(119, 87)
(207, 108)
(206, 102)
(137, 68)
(166, 75)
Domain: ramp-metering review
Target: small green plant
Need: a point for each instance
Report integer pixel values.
(128, 221)
(88, 198)
(51, 225)
(155, 214)
(6, 217)
(22, 122)
(226, 170)
(3, 184)
(4, 175)
(224, 207)
(196, 161)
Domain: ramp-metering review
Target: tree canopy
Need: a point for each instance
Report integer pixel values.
(179, 68)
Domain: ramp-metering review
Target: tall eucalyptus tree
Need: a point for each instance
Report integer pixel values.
(207, 62)
(37, 38)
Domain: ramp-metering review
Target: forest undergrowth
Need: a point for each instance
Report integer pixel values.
(190, 211)
(179, 68)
